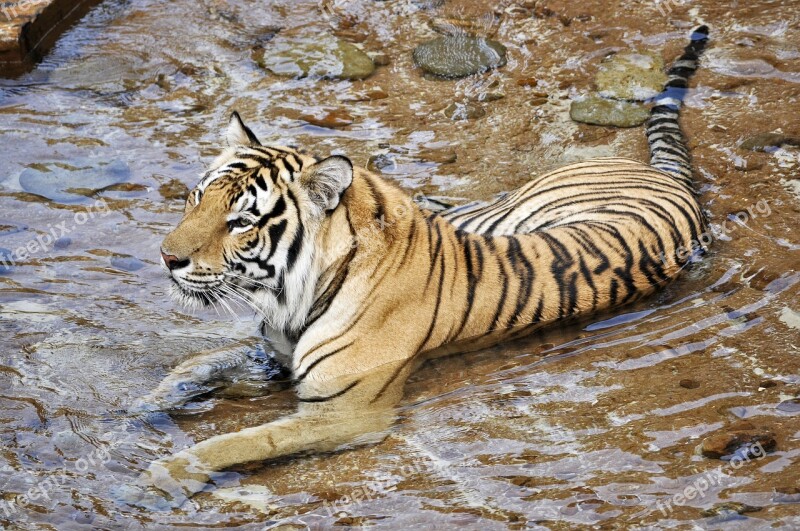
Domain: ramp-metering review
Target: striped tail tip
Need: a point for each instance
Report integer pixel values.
(668, 150)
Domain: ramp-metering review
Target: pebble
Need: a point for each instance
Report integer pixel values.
(322, 55)
(735, 441)
(527, 82)
(380, 59)
(61, 185)
(456, 56)
(730, 508)
(378, 163)
(631, 76)
(8, 227)
(769, 142)
(438, 155)
(600, 111)
(127, 263)
(687, 383)
(332, 119)
(488, 96)
(790, 406)
(464, 111)
(173, 190)
(376, 94)
(6, 257)
(62, 243)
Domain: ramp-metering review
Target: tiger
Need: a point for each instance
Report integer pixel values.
(357, 284)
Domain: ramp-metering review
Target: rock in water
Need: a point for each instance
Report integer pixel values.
(631, 76)
(769, 142)
(321, 55)
(600, 111)
(730, 508)
(461, 55)
(6, 260)
(742, 440)
(74, 185)
(127, 263)
(464, 111)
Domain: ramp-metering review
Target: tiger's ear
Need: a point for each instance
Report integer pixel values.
(327, 180)
(239, 134)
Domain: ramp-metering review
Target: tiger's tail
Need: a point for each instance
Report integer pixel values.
(668, 150)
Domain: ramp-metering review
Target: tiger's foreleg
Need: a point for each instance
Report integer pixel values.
(196, 376)
(327, 420)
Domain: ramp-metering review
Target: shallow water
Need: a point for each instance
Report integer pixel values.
(585, 424)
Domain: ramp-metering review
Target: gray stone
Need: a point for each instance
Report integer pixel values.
(127, 263)
(600, 111)
(455, 56)
(769, 142)
(74, 185)
(6, 260)
(631, 76)
(319, 55)
(464, 111)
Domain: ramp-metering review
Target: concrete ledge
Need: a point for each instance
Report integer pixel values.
(30, 28)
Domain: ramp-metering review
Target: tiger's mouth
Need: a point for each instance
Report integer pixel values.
(239, 289)
(192, 297)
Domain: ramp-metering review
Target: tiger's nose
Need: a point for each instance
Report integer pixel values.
(172, 261)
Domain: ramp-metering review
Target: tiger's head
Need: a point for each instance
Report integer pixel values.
(249, 224)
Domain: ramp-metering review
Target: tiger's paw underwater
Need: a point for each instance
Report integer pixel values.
(208, 372)
(166, 484)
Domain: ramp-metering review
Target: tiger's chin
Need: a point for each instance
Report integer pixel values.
(190, 299)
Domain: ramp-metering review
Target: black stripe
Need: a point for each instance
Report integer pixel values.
(329, 397)
(320, 360)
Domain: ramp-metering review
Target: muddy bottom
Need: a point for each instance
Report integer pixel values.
(603, 422)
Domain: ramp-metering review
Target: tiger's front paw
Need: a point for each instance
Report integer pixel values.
(170, 395)
(166, 484)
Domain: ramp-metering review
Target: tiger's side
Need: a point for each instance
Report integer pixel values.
(357, 284)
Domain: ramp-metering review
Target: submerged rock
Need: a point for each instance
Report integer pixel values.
(331, 118)
(377, 163)
(319, 55)
(631, 76)
(688, 383)
(461, 55)
(75, 184)
(769, 142)
(790, 406)
(62, 243)
(173, 189)
(127, 263)
(6, 260)
(439, 156)
(600, 111)
(728, 508)
(739, 441)
(464, 111)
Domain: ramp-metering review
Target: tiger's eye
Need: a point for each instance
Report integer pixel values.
(238, 223)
